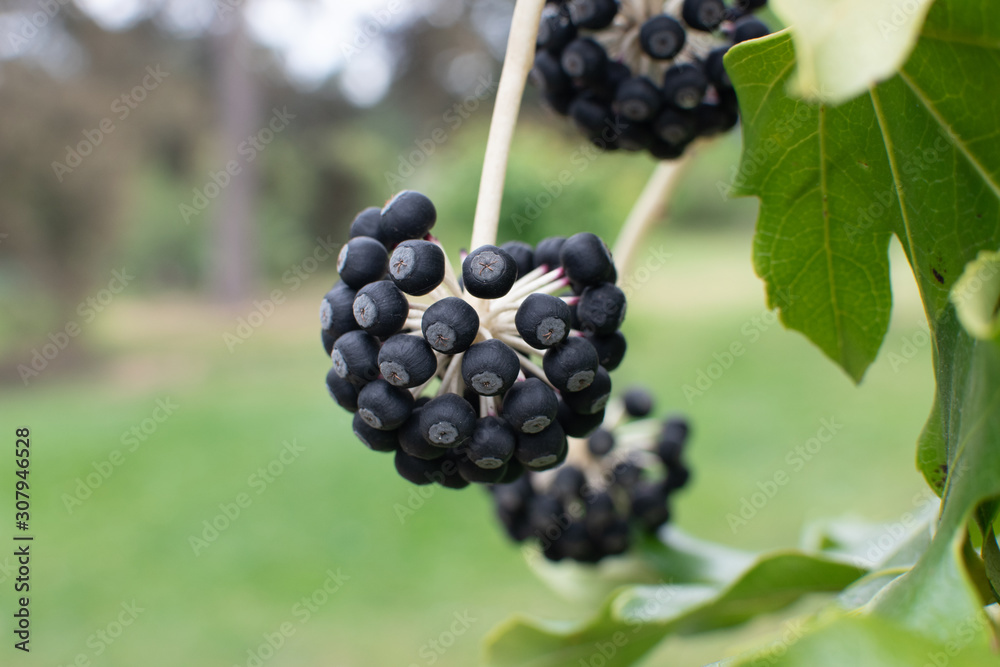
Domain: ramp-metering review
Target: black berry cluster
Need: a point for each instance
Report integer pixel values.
(474, 378)
(617, 482)
(640, 75)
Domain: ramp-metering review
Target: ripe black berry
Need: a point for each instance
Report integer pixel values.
(601, 442)
(406, 361)
(637, 99)
(749, 27)
(556, 30)
(530, 406)
(492, 443)
(703, 14)
(367, 223)
(416, 470)
(592, 399)
(355, 357)
(684, 85)
(383, 406)
(408, 215)
(714, 68)
(586, 259)
(374, 439)
(336, 312)
(412, 442)
(548, 76)
(572, 365)
(547, 252)
(543, 320)
(543, 450)
(601, 309)
(523, 254)
(447, 421)
(488, 272)
(381, 308)
(450, 325)
(577, 425)
(362, 260)
(417, 267)
(584, 59)
(676, 128)
(662, 37)
(638, 402)
(593, 14)
(342, 391)
(471, 472)
(490, 367)
(610, 349)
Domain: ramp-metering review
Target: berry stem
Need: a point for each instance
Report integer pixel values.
(647, 209)
(517, 63)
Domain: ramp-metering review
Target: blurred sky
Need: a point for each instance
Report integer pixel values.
(313, 39)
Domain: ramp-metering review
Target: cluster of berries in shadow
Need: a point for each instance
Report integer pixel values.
(476, 377)
(643, 75)
(616, 484)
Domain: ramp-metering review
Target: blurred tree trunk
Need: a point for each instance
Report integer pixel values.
(232, 256)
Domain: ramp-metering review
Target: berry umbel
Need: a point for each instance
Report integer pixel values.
(616, 484)
(642, 76)
(475, 381)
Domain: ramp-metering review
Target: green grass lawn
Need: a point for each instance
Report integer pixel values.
(333, 506)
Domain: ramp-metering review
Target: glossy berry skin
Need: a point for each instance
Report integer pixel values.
(406, 361)
(584, 59)
(413, 443)
(637, 99)
(547, 252)
(336, 312)
(488, 272)
(593, 398)
(374, 439)
(572, 365)
(362, 260)
(543, 450)
(492, 443)
(383, 406)
(416, 267)
(662, 37)
(490, 368)
(523, 254)
(408, 215)
(450, 325)
(703, 15)
(684, 85)
(601, 309)
(586, 259)
(380, 308)
(342, 391)
(530, 406)
(638, 403)
(749, 27)
(543, 320)
(610, 349)
(367, 223)
(593, 14)
(355, 357)
(447, 421)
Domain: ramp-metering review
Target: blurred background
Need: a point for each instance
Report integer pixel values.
(173, 176)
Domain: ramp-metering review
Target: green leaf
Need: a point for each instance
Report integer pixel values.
(911, 157)
(846, 46)
(635, 619)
